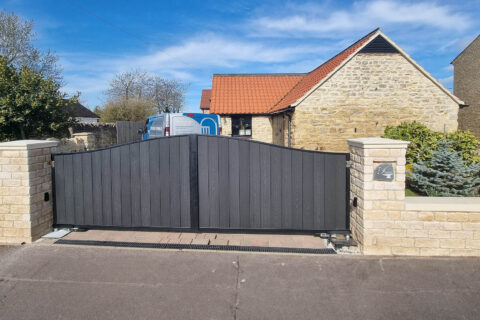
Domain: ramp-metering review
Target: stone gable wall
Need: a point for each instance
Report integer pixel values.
(370, 92)
(466, 86)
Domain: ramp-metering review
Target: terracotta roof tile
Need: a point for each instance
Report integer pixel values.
(206, 98)
(249, 93)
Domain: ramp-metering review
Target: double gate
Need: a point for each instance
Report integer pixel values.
(200, 182)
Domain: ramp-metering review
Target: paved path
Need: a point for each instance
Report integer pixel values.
(231, 239)
(72, 282)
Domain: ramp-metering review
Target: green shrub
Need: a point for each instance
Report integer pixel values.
(465, 143)
(445, 175)
(423, 141)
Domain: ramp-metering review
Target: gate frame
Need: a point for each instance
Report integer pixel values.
(195, 195)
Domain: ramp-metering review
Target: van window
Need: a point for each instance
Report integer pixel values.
(156, 130)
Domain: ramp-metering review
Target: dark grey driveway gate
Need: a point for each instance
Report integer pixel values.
(249, 185)
(202, 183)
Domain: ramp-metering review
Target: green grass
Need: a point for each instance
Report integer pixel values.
(410, 193)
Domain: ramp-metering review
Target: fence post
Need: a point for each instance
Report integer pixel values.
(26, 210)
(194, 192)
(377, 187)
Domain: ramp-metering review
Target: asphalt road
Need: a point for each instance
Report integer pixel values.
(67, 282)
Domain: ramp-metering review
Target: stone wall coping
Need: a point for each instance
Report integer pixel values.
(378, 143)
(27, 144)
(445, 204)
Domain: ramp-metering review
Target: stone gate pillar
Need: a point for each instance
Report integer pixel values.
(26, 211)
(377, 193)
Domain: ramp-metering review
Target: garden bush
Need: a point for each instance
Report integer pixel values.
(445, 174)
(424, 141)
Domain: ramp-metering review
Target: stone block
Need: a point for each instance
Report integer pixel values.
(403, 251)
(427, 243)
(434, 252)
(475, 244)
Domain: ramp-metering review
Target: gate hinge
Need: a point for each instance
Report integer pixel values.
(52, 163)
(349, 163)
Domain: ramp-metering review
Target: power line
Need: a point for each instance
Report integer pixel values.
(76, 5)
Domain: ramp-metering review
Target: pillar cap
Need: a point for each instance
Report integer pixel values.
(378, 143)
(27, 144)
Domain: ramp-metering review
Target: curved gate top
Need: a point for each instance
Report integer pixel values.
(198, 182)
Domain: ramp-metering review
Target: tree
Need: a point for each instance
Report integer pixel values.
(167, 95)
(16, 38)
(445, 174)
(164, 95)
(125, 110)
(30, 105)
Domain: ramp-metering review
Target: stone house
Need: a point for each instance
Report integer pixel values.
(357, 93)
(466, 85)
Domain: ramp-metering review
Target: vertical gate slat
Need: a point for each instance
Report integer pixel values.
(60, 190)
(97, 187)
(319, 192)
(276, 187)
(69, 189)
(297, 190)
(265, 185)
(125, 177)
(78, 190)
(341, 187)
(223, 183)
(175, 182)
(107, 207)
(213, 183)
(116, 187)
(155, 182)
(233, 172)
(244, 183)
(87, 188)
(255, 203)
(287, 189)
(135, 184)
(185, 182)
(330, 191)
(145, 183)
(307, 191)
(164, 182)
(204, 200)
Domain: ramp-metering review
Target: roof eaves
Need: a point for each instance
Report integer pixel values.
(258, 74)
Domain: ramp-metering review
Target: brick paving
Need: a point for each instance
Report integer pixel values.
(231, 239)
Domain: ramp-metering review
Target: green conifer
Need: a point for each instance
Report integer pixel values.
(445, 174)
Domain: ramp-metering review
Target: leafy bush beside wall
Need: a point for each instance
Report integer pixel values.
(438, 164)
(424, 141)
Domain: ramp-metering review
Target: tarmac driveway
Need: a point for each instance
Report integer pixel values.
(74, 282)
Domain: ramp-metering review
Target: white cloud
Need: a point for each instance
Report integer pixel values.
(363, 16)
(446, 81)
(201, 54)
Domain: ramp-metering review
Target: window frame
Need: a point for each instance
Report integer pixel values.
(247, 125)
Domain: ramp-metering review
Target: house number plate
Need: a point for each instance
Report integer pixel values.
(383, 172)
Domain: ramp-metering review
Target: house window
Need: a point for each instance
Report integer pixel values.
(242, 126)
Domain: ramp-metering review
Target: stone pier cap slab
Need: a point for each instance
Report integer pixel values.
(378, 143)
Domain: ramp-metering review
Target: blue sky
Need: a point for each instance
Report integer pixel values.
(191, 40)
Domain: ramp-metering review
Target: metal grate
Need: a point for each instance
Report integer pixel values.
(195, 246)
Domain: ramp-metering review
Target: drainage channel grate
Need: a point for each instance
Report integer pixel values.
(194, 246)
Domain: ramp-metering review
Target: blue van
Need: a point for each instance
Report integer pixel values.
(174, 124)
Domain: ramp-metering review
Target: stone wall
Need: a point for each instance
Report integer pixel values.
(105, 133)
(25, 178)
(370, 92)
(466, 86)
(261, 128)
(385, 222)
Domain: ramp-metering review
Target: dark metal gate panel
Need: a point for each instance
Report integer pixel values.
(140, 184)
(249, 185)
